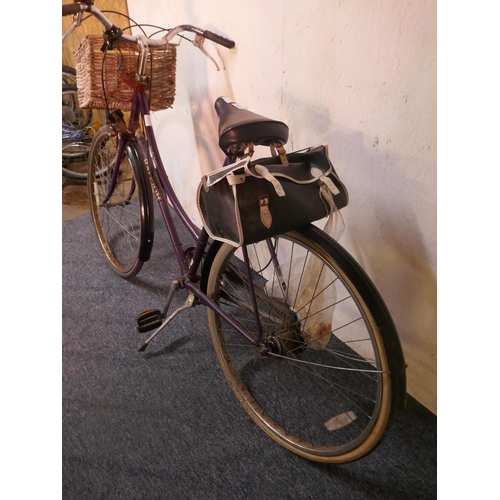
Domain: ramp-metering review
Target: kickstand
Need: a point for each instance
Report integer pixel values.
(190, 302)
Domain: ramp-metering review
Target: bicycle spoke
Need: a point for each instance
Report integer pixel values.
(322, 392)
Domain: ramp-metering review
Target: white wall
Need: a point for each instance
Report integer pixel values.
(357, 75)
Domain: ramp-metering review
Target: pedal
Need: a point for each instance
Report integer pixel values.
(148, 320)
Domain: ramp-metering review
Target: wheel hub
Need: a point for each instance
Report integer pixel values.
(283, 343)
(271, 345)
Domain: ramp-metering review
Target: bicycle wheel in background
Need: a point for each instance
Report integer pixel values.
(68, 75)
(77, 130)
(325, 382)
(123, 223)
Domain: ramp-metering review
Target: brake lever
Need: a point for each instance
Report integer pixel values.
(198, 42)
(77, 20)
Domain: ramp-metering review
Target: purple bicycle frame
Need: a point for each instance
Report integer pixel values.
(163, 191)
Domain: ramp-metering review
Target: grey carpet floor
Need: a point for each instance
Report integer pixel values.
(164, 424)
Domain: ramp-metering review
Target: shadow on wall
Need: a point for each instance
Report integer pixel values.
(386, 233)
(205, 125)
(201, 101)
(390, 230)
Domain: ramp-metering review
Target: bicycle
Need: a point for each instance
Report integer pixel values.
(77, 131)
(78, 125)
(329, 399)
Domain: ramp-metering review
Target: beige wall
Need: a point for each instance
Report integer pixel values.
(359, 76)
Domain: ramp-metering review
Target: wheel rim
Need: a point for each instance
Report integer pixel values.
(311, 396)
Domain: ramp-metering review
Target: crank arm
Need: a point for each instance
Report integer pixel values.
(190, 302)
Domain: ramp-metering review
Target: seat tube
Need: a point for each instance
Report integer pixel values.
(201, 243)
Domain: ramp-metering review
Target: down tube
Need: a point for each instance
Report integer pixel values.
(160, 169)
(160, 198)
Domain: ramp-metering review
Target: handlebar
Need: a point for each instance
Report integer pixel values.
(77, 7)
(73, 8)
(209, 35)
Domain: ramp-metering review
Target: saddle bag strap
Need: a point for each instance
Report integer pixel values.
(243, 153)
(264, 172)
(322, 178)
(277, 149)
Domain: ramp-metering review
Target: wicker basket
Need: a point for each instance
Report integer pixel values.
(92, 64)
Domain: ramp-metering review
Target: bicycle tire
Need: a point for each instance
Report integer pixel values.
(68, 75)
(308, 393)
(124, 225)
(76, 138)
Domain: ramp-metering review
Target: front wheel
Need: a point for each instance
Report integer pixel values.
(120, 203)
(321, 379)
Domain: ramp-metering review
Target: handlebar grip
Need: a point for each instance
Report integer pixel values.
(218, 39)
(72, 8)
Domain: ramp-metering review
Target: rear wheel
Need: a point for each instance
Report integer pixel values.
(123, 221)
(319, 380)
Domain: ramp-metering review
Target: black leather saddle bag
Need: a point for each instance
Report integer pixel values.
(250, 201)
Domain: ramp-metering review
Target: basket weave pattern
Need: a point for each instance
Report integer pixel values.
(92, 65)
